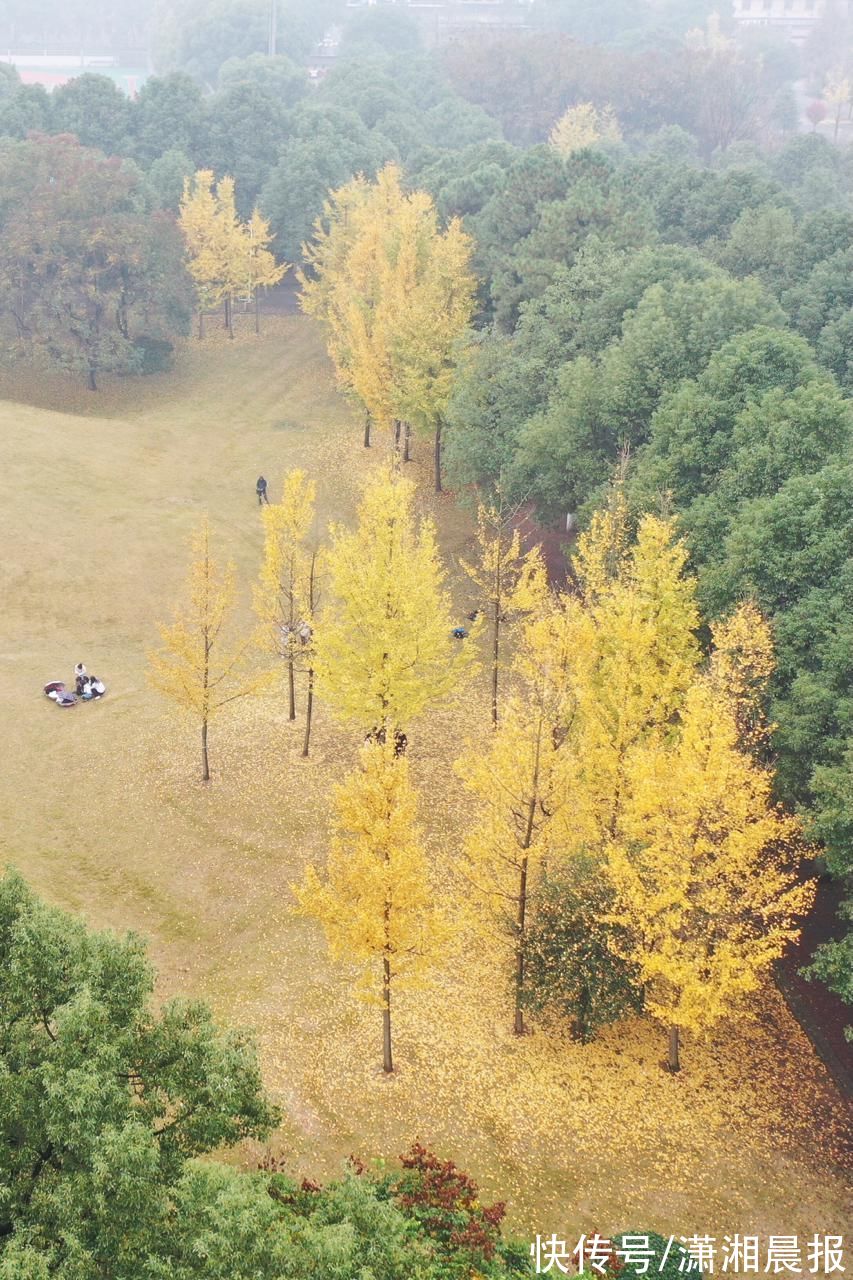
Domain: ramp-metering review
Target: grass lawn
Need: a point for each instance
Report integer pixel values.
(101, 809)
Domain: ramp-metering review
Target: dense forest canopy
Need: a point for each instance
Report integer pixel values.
(631, 254)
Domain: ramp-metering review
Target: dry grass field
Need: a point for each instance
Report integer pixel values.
(101, 809)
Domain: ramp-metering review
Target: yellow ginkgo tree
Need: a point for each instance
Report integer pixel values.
(584, 125)
(375, 902)
(286, 593)
(508, 582)
(325, 290)
(634, 657)
(395, 293)
(704, 870)
(261, 267)
(199, 667)
(435, 290)
(385, 649)
(225, 258)
(519, 788)
(669, 794)
(215, 250)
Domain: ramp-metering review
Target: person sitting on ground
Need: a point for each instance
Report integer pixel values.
(459, 633)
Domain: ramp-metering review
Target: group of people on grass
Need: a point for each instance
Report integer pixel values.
(86, 687)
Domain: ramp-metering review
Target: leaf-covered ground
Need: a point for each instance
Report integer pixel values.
(100, 808)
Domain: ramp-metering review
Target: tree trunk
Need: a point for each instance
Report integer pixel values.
(257, 313)
(309, 707)
(91, 381)
(229, 316)
(673, 1062)
(291, 690)
(438, 487)
(496, 650)
(407, 440)
(367, 430)
(519, 949)
(200, 324)
(582, 1018)
(387, 1057)
(205, 763)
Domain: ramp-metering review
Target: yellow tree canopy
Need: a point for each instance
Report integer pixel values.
(509, 584)
(395, 294)
(215, 242)
(432, 289)
(519, 782)
(634, 655)
(703, 867)
(262, 269)
(584, 125)
(283, 595)
(504, 576)
(384, 647)
(198, 667)
(375, 902)
(741, 666)
(324, 281)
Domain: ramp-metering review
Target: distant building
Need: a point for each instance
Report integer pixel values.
(54, 69)
(441, 19)
(793, 19)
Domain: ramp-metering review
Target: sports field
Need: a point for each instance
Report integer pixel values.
(100, 808)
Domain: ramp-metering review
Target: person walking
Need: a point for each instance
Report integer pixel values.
(261, 491)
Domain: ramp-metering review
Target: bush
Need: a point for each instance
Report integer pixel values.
(671, 1270)
(571, 969)
(155, 355)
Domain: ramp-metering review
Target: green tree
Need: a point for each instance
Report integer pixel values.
(327, 148)
(167, 178)
(27, 110)
(95, 110)
(169, 113)
(81, 265)
(246, 127)
(105, 1098)
(277, 76)
(565, 452)
(573, 969)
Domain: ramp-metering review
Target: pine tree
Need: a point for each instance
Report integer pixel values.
(384, 646)
(507, 581)
(703, 867)
(197, 668)
(375, 903)
(286, 594)
(520, 787)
